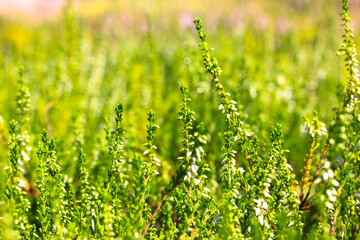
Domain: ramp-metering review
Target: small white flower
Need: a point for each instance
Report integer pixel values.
(317, 181)
(22, 183)
(201, 149)
(194, 169)
(261, 219)
(289, 166)
(257, 211)
(329, 205)
(258, 202)
(266, 193)
(157, 160)
(198, 154)
(332, 198)
(268, 227)
(197, 181)
(326, 176)
(335, 183)
(329, 192)
(327, 164)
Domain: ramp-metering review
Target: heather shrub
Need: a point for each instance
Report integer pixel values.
(83, 156)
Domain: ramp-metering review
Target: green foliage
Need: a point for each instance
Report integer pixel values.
(223, 171)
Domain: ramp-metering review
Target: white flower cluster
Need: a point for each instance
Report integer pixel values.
(267, 185)
(24, 139)
(193, 168)
(320, 130)
(153, 158)
(328, 176)
(229, 163)
(260, 208)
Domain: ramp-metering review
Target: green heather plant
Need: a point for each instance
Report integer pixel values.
(223, 171)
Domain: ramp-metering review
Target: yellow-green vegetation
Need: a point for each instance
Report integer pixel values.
(130, 125)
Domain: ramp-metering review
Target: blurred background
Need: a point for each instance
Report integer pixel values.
(81, 58)
(232, 13)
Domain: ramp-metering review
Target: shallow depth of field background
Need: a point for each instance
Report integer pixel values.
(278, 59)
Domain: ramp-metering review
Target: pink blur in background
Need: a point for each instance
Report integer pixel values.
(34, 9)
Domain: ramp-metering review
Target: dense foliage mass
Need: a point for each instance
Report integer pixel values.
(211, 163)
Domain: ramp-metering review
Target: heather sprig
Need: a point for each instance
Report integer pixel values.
(326, 198)
(61, 198)
(19, 153)
(348, 50)
(193, 197)
(18, 203)
(168, 229)
(66, 205)
(23, 98)
(316, 131)
(285, 199)
(116, 139)
(186, 116)
(135, 201)
(232, 133)
(151, 162)
(47, 169)
(115, 184)
(85, 201)
(23, 101)
(234, 127)
(149, 168)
